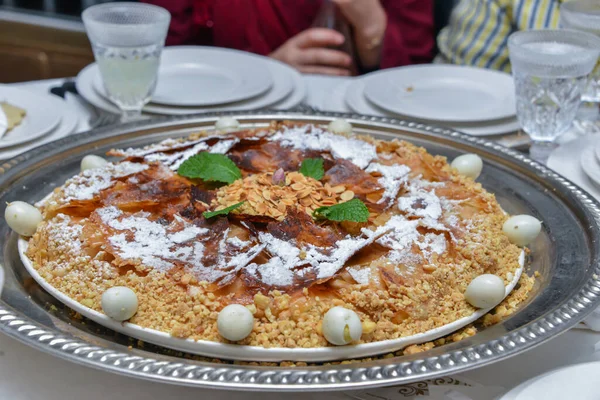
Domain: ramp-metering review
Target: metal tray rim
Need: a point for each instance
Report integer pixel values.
(339, 377)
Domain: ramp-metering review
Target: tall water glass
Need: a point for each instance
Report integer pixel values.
(127, 40)
(584, 15)
(551, 69)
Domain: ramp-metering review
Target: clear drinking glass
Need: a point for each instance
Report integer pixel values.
(584, 15)
(551, 69)
(127, 40)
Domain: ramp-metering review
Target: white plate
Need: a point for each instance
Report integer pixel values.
(356, 101)
(578, 381)
(3, 123)
(43, 113)
(589, 164)
(597, 150)
(288, 91)
(443, 93)
(565, 161)
(68, 124)
(255, 353)
(297, 96)
(204, 76)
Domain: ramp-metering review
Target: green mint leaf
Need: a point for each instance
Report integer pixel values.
(312, 167)
(353, 210)
(210, 167)
(224, 211)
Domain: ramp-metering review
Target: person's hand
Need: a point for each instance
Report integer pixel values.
(364, 15)
(369, 21)
(308, 52)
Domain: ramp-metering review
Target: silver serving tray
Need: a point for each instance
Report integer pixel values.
(566, 255)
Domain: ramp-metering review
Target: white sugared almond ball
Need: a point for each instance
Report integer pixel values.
(119, 303)
(340, 126)
(522, 229)
(341, 326)
(227, 123)
(235, 322)
(469, 165)
(485, 291)
(92, 162)
(22, 217)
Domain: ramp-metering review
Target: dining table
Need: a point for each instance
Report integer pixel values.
(28, 374)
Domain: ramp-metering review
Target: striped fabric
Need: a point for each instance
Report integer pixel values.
(478, 31)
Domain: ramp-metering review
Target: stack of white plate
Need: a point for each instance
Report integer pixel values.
(578, 159)
(477, 101)
(47, 118)
(194, 79)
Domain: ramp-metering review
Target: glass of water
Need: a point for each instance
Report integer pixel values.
(550, 69)
(127, 40)
(584, 15)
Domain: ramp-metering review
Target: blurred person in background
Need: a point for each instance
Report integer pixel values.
(383, 33)
(478, 31)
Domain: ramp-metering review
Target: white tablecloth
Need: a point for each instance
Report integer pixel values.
(27, 374)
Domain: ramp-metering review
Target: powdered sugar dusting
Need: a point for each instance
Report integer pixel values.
(162, 247)
(360, 275)
(186, 155)
(310, 137)
(165, 145)
(237, 242)
(402, 233)
(153, 244)
(174, 159)
(432, 243)
(328, 266)
(419, 202)
(67, 233)
(421, 207)
(90, 182)
(392, 178)
(223, 146)
(240, 260)
(278, 270)
(285, 259)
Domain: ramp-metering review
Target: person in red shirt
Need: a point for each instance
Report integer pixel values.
(385, 33)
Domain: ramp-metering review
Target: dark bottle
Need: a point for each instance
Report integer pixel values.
(330, 16)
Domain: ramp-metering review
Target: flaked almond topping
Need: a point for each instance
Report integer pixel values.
(347, 195)
(269, 199)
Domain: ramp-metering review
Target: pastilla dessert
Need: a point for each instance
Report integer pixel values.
(294, 236)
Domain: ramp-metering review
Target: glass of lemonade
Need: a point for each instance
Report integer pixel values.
(551, 70)
(127, 40)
